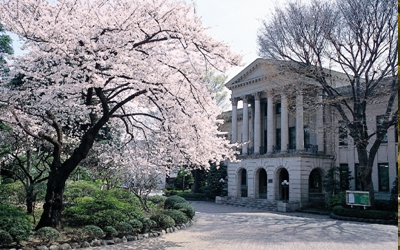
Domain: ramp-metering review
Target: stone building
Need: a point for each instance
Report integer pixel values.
(292, 137)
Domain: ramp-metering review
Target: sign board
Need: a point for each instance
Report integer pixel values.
(357, 198)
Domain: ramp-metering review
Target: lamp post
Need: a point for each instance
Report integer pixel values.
(285, 185)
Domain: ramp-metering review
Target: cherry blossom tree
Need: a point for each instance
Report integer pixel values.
(133, 65)
(358, 38)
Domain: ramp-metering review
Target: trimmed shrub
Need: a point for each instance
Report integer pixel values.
(157, 200)
(15, 222)
(124, 228)
(110, 232)
(366, 214)
(148, 224)
(178, 216)
(186, 208)
(5, 238)
(92, 232)
(47, 234)
(78, 189)
(336, 200)
(163, 221)
(192, 196)
(101, 211)
(122, 195)
(172, 200)
(137, 225)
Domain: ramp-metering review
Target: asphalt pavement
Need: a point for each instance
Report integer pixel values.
(221, 227)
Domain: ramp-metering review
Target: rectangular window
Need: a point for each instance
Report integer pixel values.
(356, 176)
(306, 136)
(278, 108)
(343, 140)
(265, 109)
(383, 174)
(379, 122)
(344, 174)
(278, 139)
(292, 138)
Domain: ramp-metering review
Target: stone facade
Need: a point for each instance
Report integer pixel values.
(287, 134)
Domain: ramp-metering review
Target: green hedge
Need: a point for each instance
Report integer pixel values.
(178, 216)
(366, 214)
(163, 221)
(186, 208)
(101, 211)
(15, 222)
(192, 196)
(171, 201)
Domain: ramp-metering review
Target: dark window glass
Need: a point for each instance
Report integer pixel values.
(278, 139)
(306, 136)
(278, 108)
(292, 138)
(383, 173)
(342, 135)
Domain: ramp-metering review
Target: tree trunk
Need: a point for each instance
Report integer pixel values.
(29, 199)
(366, 161)
(53, 206)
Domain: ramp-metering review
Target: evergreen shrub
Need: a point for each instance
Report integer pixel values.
(163, 221)
(15, 222)
(92, 232)
(5, 238)
(178, 216)
(110, 232)
(148, 224)
(366, 214)
(186, 208)
(124, 228)
(47, 234)
(171, 201)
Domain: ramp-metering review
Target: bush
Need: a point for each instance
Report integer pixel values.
(15, 222)
(101, 211)
(148, 224)
(336, 200)
(186, 208)
(125, 228)
(136, 224)
(5, 238)
(163, 221)
(178, 216)
(78, 189)
(366, 214)
(192, 196)
(47, 234)
(384, 205)
(157, 200)
(122, 195)
(110, 232)
(92, 232)
(172, 200)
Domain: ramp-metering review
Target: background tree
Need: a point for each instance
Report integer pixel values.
(5, 48)
(216, 85)
(355, 37)
(140, 70)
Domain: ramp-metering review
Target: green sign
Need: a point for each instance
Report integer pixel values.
(357, 198)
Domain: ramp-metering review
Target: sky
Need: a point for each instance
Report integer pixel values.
(234, 22)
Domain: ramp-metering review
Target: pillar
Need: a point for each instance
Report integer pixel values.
(299, 122)
(245, 125)
(270, 122)
(320, 124)
(284, 123)
(234, 120)
(257, 124)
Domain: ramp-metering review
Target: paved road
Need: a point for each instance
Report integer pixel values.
(219, 227)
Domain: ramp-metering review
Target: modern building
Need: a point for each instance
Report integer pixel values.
(289, 138)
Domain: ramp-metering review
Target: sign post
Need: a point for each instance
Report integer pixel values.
(358, 198)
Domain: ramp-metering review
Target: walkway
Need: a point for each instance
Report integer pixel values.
(219, 227)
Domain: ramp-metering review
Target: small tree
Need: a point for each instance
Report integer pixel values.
(337, 180)
(216, 181)
(184, 179)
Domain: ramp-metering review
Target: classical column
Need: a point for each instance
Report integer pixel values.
(257, 124)
(245, 125)
(284, 123)
(234, 120)
(299, 122)
(270, 122)
(320, 124)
